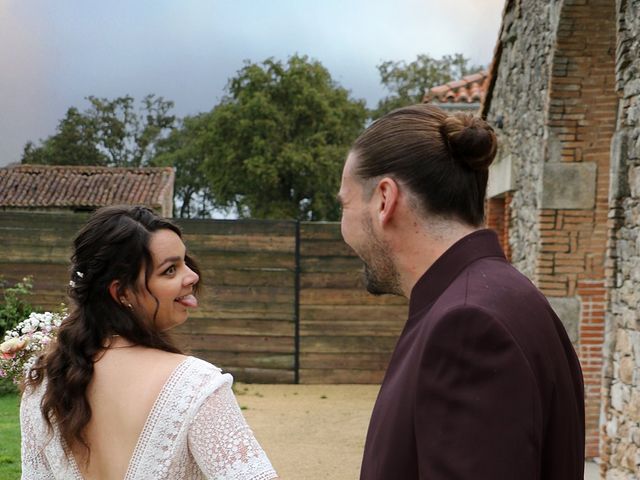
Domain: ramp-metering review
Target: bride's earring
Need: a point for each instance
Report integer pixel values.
(124, 302)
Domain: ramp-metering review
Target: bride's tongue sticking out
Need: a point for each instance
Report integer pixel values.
(188, 301)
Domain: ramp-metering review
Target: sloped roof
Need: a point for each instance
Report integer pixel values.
(47, 186)
(470, 89)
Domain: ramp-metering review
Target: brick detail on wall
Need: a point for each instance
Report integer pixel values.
(572, 248)
(581, 121)
(591, 334)
(498, 213)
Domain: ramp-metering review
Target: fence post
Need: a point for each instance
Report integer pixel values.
(296, 361)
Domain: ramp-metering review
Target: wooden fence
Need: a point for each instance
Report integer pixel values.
(282, 301)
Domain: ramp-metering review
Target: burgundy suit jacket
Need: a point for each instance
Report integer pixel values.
(483, 384)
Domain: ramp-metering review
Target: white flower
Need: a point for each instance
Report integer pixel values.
(23, 344)
(28, 365)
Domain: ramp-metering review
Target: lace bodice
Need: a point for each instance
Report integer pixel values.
(195, 430)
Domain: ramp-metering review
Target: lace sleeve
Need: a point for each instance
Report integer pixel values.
(33, 432)
(222, 443)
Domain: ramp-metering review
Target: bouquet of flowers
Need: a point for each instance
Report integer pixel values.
(23, 344)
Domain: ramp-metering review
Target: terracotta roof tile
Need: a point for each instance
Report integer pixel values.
(42, 186)
(476, 92)
(469, 89)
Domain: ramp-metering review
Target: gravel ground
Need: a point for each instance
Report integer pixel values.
(310, 431)
(315, 431)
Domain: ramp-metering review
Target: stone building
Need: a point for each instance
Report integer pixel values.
(85, 188)
(564, 95)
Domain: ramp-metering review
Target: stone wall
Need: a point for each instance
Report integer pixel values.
(555, 96)
(620, 449)
(517, 108)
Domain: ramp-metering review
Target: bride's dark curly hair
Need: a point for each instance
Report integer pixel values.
(113, 245)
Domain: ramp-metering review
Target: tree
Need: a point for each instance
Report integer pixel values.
(275, 145)
(183, 149)
(407, 82)
(75, 143)
(109, 133)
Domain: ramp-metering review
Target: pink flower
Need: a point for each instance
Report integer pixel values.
(12, 346)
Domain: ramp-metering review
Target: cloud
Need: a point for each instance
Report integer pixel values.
(54, 54)
(25, 96)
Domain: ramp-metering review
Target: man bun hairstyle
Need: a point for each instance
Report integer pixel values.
(470, 140)
(442, 159)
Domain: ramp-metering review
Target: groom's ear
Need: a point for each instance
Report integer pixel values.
(387, 199)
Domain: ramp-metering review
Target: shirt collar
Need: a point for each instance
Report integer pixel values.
(476, 245)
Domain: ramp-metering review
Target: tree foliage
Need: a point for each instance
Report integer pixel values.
(272, 148)
(14, 306)
(275, 145)
(407, 82)
(109, 133)
(184, 150)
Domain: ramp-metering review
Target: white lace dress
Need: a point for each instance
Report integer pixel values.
(195, 430)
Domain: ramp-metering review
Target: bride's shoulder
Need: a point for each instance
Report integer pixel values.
(195, 380)
(203, 366)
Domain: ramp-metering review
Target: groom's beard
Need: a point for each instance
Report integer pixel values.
(380, 273)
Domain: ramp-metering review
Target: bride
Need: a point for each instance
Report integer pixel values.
(114, 398)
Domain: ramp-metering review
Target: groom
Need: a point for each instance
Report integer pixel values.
(484, 382)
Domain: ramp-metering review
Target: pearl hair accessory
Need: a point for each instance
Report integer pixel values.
(79, 274)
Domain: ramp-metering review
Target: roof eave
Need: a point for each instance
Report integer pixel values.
(495, 63)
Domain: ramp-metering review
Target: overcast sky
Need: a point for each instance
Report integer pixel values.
(53, 54)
